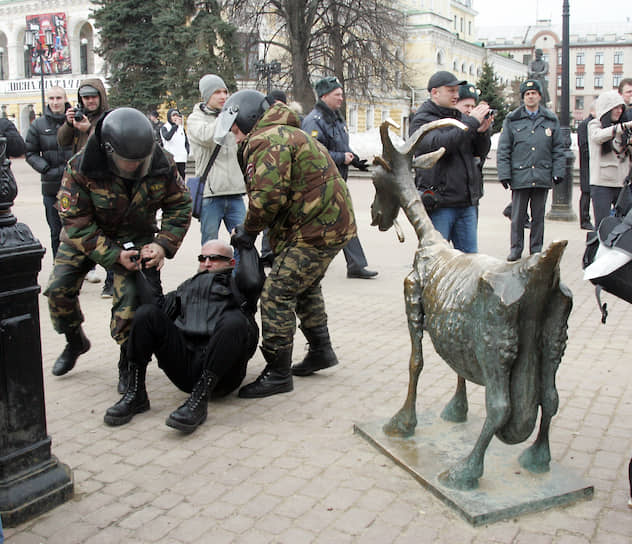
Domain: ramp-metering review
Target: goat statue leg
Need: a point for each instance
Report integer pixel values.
(537, 457)
(403, 423)
(456, 410)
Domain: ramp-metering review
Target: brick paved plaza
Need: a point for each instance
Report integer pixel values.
(288, 469)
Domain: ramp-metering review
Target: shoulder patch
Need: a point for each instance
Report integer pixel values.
(250, 170)
(66, 200)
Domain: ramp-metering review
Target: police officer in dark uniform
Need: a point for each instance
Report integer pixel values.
(326, 124)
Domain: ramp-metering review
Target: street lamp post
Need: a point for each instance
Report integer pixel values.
(32, 40)
(2, 63)
(266, 69)
(561, 208)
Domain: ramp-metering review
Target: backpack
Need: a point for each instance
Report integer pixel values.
(607, 260)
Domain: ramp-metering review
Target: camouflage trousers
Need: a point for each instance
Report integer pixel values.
(293, 289)
(64, 285)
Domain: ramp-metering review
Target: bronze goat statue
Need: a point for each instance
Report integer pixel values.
(498, 324)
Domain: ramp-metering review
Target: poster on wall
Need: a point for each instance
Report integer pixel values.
(56, 56)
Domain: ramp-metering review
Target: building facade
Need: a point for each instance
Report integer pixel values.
(600, 55)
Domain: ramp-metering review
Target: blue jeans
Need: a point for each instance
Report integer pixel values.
(229, 208)
(457, 225)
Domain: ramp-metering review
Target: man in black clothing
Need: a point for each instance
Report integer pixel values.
(584, 172)
(202, 334)
(455, 180)
(48, 157)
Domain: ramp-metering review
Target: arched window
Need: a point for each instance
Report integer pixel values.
(86, 49)
(440, 57)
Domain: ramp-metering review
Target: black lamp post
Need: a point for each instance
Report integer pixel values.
(2, 63)
(561, 208)
(266, 69)
(32, 40)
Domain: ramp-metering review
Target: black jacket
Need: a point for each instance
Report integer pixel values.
(584, 157)
(456, 176)
(15, 143)
(43, 152)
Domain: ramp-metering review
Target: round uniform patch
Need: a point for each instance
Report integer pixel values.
(64, 203)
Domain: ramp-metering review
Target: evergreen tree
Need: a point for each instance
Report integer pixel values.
(492, 94)
(194, 42)
(129, 46)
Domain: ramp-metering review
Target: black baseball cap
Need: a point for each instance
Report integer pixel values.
(442, 78)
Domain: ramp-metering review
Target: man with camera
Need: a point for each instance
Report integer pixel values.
(108, 200)
(92, 101)
(452, 188)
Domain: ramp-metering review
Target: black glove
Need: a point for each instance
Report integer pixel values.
(241, 238)
(360, 164)
(505, 183)
(557, 180)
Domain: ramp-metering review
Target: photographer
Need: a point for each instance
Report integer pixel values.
(455, 180)
(609, 153)
(80, 121)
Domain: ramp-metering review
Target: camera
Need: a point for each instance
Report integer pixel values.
(490, 113)
(79, 115)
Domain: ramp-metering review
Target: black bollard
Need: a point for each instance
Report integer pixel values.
(32, 480)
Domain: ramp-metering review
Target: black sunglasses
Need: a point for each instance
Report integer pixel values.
(213, 257)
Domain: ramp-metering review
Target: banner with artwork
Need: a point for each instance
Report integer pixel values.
(56, 56)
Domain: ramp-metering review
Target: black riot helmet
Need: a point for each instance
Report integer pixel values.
(127, 138)
(244, 109)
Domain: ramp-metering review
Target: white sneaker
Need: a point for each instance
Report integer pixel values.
(92, 276)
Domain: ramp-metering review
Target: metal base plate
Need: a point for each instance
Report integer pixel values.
(505, 490)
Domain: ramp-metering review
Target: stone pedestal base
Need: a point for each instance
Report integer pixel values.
(506, 490)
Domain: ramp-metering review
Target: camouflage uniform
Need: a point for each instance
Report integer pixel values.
(100, 212)
(295, 190)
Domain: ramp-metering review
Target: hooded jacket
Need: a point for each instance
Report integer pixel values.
(456, 176)
(225, 177)
(294, 186)
(530, 151)
(174, 138)
(607, 169)
(100, 211)
(68, 135)
(44, 153)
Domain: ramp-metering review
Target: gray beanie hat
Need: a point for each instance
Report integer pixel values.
(209, 84)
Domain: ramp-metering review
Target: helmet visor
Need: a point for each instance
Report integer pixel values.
(225, 121)
(132, 169)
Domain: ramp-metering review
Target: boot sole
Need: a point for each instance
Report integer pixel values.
(183, 427)
(267, 393)
(301, 372)
(115, 421)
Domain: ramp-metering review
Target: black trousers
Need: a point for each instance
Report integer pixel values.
(226, 353)
(520, 198)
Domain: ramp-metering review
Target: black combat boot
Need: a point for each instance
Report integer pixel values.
(134, 401)
(77, 343)
(320, 355)
(192, 413)
(123, 370)
(275, 378)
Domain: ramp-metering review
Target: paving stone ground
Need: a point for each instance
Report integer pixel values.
(288, 469)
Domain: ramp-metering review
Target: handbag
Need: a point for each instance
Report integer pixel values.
(196, 185)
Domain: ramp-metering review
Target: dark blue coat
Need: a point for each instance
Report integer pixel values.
(330, 129)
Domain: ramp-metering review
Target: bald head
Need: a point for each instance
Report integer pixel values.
(215, 256)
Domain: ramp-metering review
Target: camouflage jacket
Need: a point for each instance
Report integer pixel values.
(100, 212)
(294, 187)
